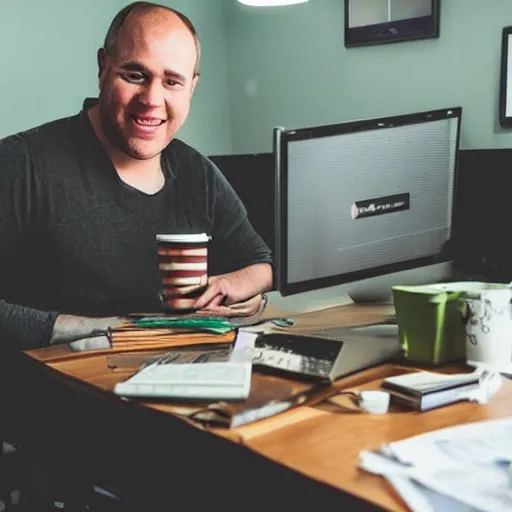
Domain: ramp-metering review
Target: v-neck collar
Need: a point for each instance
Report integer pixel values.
(96, 147)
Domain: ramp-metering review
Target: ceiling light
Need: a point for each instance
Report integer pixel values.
(270, 3)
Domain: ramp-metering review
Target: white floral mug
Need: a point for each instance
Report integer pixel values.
(488, 321)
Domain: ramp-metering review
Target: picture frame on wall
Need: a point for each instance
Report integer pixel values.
(373, 22)
(505, 108)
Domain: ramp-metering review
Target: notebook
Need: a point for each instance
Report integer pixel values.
(198, 380)
(427, 390)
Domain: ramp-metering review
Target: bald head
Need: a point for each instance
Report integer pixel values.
(138, 17)
(147, 74)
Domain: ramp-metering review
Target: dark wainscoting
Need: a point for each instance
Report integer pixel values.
(482, 240)
(252, 177)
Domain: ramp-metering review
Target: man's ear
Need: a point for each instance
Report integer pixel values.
(101, 62)
(194, 83)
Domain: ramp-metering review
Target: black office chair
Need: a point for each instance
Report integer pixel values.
(28, 487)
(10, 475)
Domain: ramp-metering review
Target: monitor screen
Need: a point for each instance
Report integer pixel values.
(363, 198)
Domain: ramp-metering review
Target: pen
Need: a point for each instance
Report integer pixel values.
(160, 360)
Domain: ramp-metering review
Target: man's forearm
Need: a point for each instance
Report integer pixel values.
(69, 328)
(258, 278)
(251, 281)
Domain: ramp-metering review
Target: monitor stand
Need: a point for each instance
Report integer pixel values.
(326, 298)
(307, 302)
(373, 291)
(371, 296)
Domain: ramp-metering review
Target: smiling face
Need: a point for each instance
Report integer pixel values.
(146, 83)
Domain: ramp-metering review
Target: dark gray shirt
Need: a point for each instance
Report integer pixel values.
(75, 239)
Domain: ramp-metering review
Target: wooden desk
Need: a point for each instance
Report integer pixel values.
(119, 440)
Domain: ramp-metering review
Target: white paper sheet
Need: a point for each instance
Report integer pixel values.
(467, 464)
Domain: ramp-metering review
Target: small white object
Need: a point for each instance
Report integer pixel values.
(374, 402)
(490, 383)
(95, 343)
(243, 351)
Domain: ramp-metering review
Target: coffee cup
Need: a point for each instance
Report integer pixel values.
(183, 266)
(488, 322)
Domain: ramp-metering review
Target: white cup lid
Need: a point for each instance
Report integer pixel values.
(374, 402)
(184, 239)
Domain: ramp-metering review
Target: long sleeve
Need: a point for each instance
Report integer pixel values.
(20, 327)
(234, 237)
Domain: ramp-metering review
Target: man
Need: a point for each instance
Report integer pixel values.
(82, 198)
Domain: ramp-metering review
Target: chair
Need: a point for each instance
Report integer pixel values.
(10, 475)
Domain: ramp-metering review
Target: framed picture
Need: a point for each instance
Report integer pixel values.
(506, 79)
(374, 22)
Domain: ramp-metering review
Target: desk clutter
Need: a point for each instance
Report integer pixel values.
(145, 333)
(466, 468)
(450, 322)
(142, 331)
(223, 372)
(218, 387)
(262, 374)
(258, 374)
(313, 425)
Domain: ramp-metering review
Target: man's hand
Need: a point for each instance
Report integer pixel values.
(237, 293)
(249, 307)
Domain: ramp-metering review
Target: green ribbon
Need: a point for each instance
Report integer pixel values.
(215, 325)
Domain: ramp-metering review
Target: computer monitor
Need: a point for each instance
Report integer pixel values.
(362, 206)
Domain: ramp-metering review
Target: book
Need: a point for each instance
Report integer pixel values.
(270, 395)
(137, 359)
(198, 381)
(428, 390)
(182, 375)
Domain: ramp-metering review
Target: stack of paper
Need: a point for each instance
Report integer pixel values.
(463, 468)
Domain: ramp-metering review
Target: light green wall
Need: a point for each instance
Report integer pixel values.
(48, 54)
(289, 67)
(263, 67)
